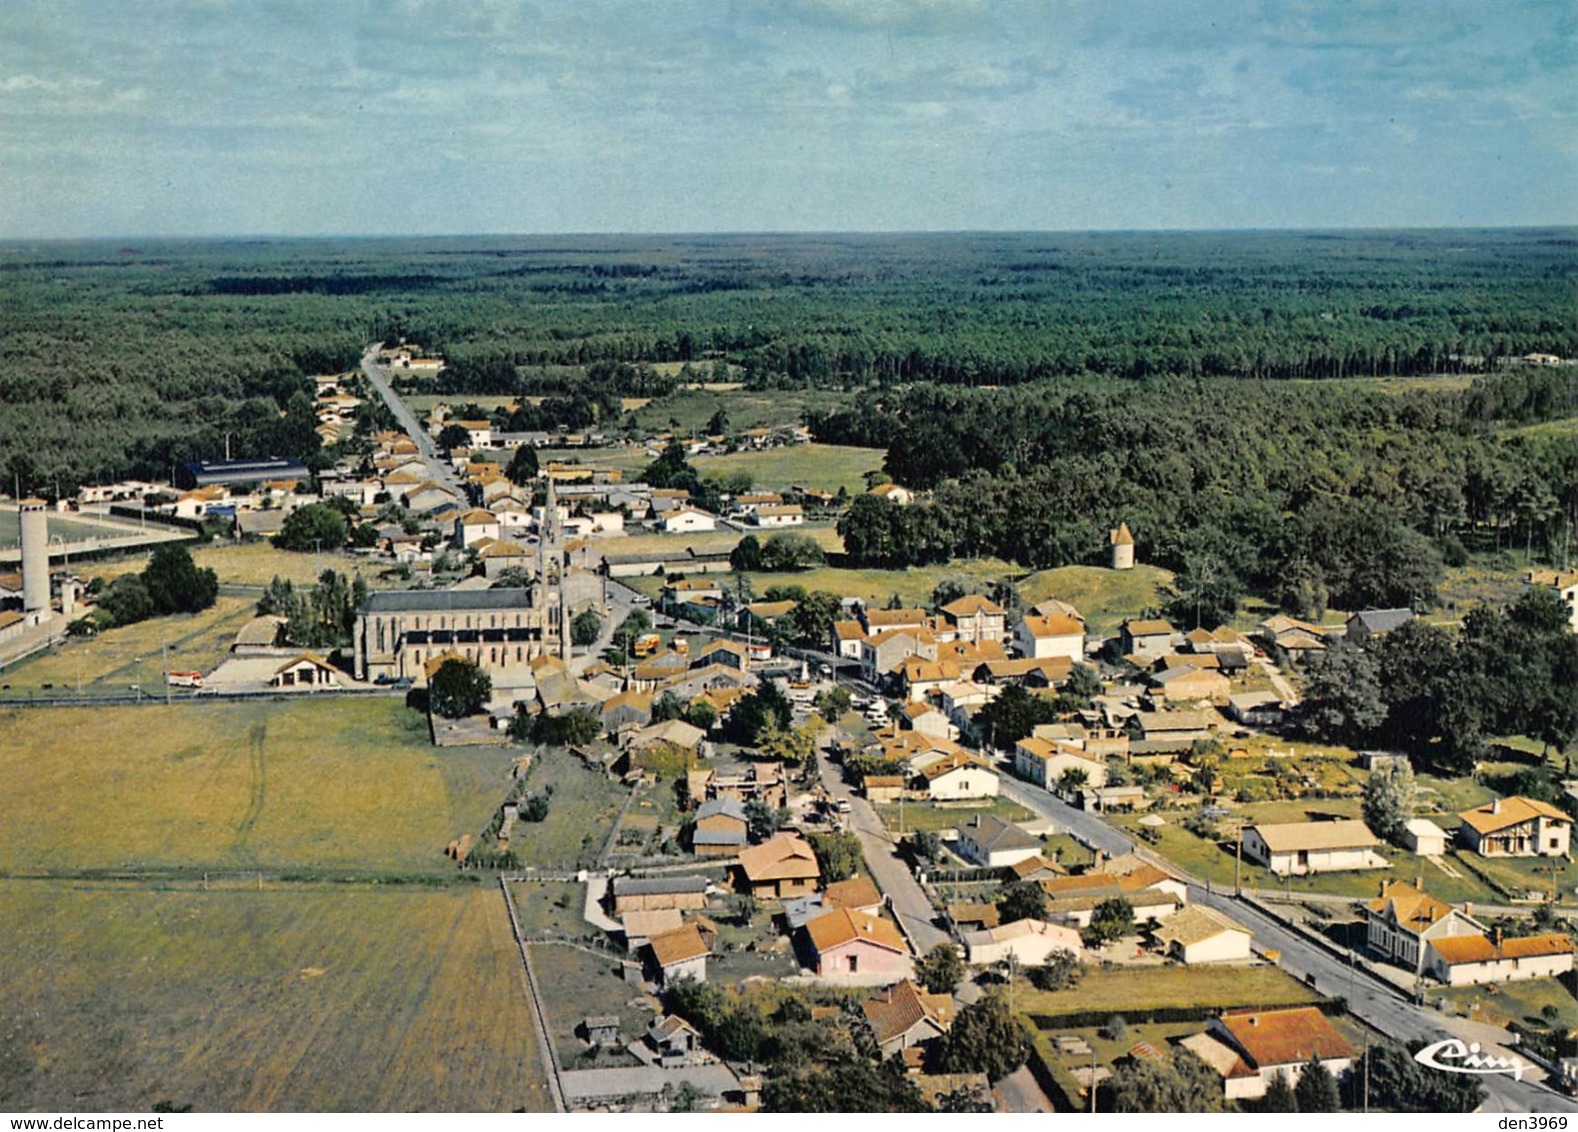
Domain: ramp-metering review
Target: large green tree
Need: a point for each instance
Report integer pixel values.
(176, 584)
(986, 1037)
(1389, 800)
(315, 527)
(941, 969)
(1316, 1089)
(522, 468)
(839, 855)
(459, 688)
(1185, 1084)
(1343, 700)
(586, 627)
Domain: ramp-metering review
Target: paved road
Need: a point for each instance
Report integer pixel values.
(1377, 1002)
(906, 897)
(1085, 826)
(438, 471)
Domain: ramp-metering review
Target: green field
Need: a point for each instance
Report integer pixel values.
(1138, 988)
(1520, 1001)
(930, 815)
(284, 999)
(584, 806)
(709, 542)
(1106, 597)
(688, 411)
(1477, 584)
(913, 586)
(348, 785)
(827, 466)
(1478, 879)
(574, 984)
(1553, 430)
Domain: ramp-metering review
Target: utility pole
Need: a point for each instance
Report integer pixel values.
(164, 653)
(1238, 864)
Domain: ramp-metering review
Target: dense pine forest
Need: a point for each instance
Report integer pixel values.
(1227, 394)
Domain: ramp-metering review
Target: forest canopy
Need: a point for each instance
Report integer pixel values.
(126, 360)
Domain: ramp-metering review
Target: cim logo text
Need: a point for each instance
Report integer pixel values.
(1453, 1056)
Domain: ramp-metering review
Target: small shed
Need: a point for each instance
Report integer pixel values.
(601, 1029)
(1424, 837)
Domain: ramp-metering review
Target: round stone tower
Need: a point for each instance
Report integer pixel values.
(1122, 548)
(35, 559)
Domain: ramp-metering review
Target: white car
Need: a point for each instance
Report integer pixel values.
(641, 599)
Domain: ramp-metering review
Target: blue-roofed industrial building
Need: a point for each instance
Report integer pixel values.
(204, 473)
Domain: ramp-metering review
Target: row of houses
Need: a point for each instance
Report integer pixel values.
(1503, 827)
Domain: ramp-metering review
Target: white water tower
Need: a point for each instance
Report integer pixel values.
(35, 559)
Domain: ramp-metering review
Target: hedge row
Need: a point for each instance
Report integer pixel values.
(1080, 1019)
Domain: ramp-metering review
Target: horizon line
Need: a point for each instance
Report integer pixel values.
(783, 232)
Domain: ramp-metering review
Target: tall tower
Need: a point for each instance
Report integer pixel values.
(35, 558)
(548, 593)
(1122, 548)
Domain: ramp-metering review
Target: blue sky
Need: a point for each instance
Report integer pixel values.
(443, 116)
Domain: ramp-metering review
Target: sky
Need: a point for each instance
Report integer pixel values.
(367, 117)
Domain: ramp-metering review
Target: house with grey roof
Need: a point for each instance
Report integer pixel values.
(721, 828)
(1371, 624)
(987, 839)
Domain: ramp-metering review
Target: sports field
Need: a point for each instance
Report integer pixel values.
(71, 528)
(117, 660)
(115, 999)
(349, 785)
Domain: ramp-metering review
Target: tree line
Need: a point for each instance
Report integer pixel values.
(1308, 495)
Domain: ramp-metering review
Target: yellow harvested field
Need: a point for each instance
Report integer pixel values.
(349, 785)
(255, 564)
(278, 1000)
(913, 586)
(827, 466)
(703, 542)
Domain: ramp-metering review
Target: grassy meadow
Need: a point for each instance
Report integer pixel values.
(349, 785)
(293, 999)
(584, 805)
(1106, 597)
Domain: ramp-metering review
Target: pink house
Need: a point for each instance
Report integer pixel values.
(851, 942)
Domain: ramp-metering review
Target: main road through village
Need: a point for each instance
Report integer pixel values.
(438, 471)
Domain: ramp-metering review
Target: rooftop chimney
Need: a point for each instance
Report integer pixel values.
(1495, 806)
